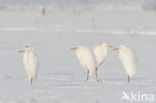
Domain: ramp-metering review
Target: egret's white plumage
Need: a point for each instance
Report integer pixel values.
(100, 52)
(86, 59)
(30, 62)
(128, 59)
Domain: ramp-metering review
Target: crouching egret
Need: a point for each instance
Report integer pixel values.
(100, 53)
(128, 59)
(30, 62)
(86, 59)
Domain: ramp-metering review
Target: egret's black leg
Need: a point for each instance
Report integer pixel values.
(128, 78)
(87, 74)
(96, 73)
(31, 80)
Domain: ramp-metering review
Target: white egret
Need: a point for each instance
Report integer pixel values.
(128, 59)
(30, 62)
(86, 59)
(100, 53)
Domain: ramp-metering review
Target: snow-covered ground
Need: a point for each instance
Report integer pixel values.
(61, 79)
(101, 22)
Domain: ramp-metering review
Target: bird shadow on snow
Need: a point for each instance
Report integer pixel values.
(67, 82)
(136, 81)
(9, 77)
(112, 81)
(145, 81)
(5, 76)
(27, 101)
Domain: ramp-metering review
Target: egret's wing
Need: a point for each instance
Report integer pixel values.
(27, 66)
(128, 59)
(100, 54)
(81, 59)
(85, 57)
(97, 54)
(90, 61)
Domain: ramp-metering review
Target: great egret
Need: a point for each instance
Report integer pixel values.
(86, 59)
(100, 53)
(30, 62)
(128, 59)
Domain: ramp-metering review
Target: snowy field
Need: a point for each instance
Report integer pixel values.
(61, 79)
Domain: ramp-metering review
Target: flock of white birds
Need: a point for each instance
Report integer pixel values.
(89, 59)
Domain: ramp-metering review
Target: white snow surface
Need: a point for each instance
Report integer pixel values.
(61, 79)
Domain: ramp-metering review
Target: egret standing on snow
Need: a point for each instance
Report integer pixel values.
(86, 59)
(30, 62)
(128, 59)
(100, 53)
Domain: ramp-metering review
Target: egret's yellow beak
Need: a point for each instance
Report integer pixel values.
(75, 48)
(109, 46)
(21, 51)
(116, 49)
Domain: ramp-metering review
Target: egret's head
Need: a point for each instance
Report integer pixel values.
(27, 49)
(104, 45)
(75, 48)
